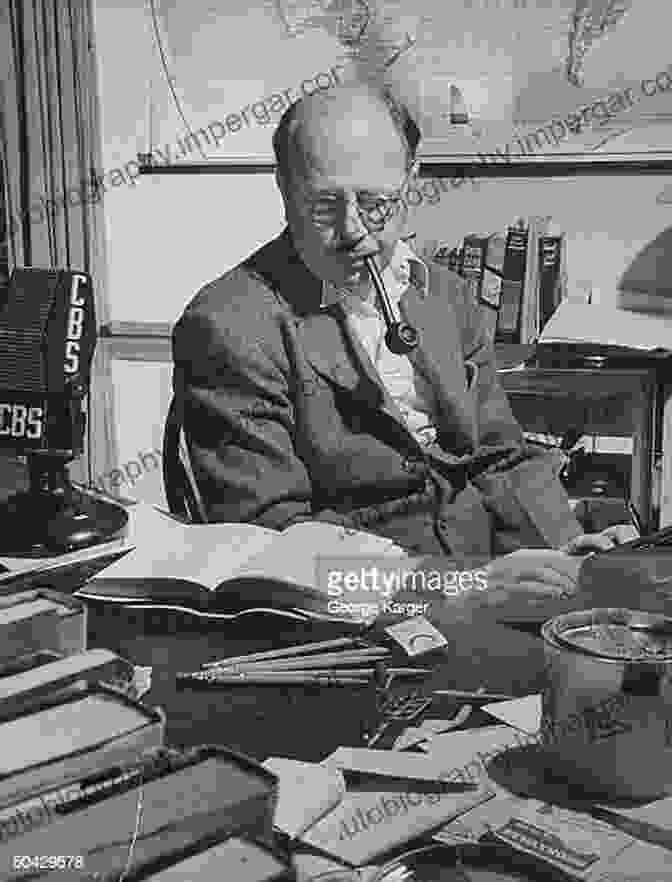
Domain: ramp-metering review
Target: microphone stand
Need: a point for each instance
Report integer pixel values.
(400, 337)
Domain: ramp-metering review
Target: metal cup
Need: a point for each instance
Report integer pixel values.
(607, 705)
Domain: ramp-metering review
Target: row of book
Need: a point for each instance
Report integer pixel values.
(518, 277)
(88, 788)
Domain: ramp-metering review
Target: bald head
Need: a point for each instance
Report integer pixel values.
(342, 123)
(339, 152)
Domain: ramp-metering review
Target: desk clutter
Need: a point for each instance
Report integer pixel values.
(90, 791)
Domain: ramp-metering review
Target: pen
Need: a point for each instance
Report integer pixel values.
(277, 679)
(288, 651)
(326, 660)
(473, 696)
(326, 672)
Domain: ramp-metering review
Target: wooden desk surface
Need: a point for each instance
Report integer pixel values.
(309, 722)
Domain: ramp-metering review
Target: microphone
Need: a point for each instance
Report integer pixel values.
(47, 343)
(400, 337)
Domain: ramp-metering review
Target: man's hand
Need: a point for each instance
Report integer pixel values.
(612, 536)
(547, 573)
(532, 571)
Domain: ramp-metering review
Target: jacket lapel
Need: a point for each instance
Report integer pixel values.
(439, 358)
(339, 357)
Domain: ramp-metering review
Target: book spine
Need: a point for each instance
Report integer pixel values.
(529, 324)
(473, 264)
(549, 277)
(455, 260)
(561, 290)
(513, 277)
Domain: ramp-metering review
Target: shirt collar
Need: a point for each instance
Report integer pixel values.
(404, 267)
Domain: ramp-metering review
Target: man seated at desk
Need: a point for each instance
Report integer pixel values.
(293, 407)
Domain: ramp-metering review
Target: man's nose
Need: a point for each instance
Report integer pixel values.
(353, 229)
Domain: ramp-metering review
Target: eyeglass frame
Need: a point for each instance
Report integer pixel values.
(396, 200)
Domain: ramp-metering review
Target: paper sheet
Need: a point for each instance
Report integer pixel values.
(389, 762)
(307, 792)
(368, 824)
(521, 713)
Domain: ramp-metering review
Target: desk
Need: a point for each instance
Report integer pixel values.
(309, 723)
(625, 402)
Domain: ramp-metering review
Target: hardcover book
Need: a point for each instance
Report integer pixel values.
(513, 280)
(529, 317)
(35, 620)
(128, 818)
(58, 741)
(31, 679)
(472, 264)
(550, 248)
(226, 569)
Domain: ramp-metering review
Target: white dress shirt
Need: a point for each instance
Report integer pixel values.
(410, 391)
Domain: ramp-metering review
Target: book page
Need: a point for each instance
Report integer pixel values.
(64, 729)
(206, 554)
(293, 556)
(607, 326)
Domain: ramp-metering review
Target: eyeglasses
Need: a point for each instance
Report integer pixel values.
(375, 210)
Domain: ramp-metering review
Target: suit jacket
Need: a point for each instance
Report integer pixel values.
(286, 418)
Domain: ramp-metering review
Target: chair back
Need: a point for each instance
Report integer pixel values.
(182, 493)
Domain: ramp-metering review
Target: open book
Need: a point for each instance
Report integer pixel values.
(226, 569)
(607, 329)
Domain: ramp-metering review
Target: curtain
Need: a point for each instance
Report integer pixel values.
(50, 153)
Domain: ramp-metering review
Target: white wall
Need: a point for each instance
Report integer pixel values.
(143, 393)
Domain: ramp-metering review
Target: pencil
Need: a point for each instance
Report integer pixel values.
(288, 651)
(326, 672)
(326, 660)
(473, 696)
(278, 679)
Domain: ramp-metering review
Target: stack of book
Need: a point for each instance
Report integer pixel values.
(518, 278)
(87, 786)
(533, 280)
